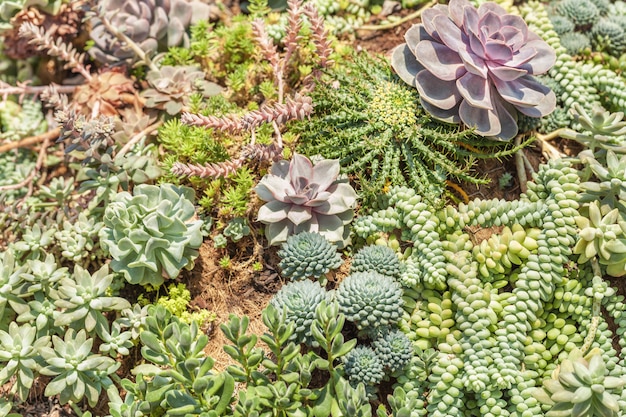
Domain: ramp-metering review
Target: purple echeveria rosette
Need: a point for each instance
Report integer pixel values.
(476, 66)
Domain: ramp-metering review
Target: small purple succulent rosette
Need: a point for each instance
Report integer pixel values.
(476, 66)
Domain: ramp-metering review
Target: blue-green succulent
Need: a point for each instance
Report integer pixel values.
(371, 300)
(308, 254)
(299, 300)
(151, 234)
(363, 365)
(378, 258)
(395, 350)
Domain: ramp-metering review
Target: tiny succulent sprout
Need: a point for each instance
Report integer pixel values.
(306, 255)
(476, 66)
(302, 197)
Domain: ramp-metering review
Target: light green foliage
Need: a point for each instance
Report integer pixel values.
(14, 169)
(19, 354)
(602, 235)
(371, 300)
(177, 377)
(151, 234)
(363, 365)
(575, 43)
(609, 34)
(610, 175)
(79, 239)
(77, 372)
(9, 8)
(600, 130)
(235, 196)
(177, 302)
(298, 302)
(84, 299)
(21, 121)
(377, 258)
(374, 125)
(308, 255)
(561, 24)
(581, 388)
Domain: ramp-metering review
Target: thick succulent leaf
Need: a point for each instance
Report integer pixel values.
(475, 90)
(449, 33)
(474, 63)
(273, 187)
(273, 212)
(299, 214)
(331, 227)
(485, 121)
(278, 232)
(404, 64)
(528, 96)
(439, 93)
(325, 173)
(449, 116)
(342, 198)
(455, 8)
(440, 60)
(300, 171)
(543, 60)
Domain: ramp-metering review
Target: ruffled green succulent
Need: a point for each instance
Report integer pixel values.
(171, 87)
(378, 258)
(602, 235)
(575, 43)
(609, 34)
(561, 24)
(580, 388)
(303, 197)
(371, 300)
(363, 365)
(299, 300)
(151, 234)
(307, 255)
(395, 350)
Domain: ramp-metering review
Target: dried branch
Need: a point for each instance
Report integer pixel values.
(29, 179)
(42, 40)
(30, 141)
(23, 89)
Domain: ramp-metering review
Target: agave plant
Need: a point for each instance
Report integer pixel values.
(476, 66)
(302, 197)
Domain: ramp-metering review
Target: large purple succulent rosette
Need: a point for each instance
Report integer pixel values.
(302, 197)
(476, 66)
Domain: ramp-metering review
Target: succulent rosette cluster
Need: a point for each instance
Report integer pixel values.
(302, 197)
(476, 66)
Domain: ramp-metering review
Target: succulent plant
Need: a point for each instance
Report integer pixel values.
(580, 387)
(151, 234)
(363, 365)
(303, 197)
(236, 229)
(476, 66)
(154, 25)
(307, 254)
(395, 350)
(377, 258)
(171, 87)
(575, 43)
(581, 12)
(8, 8)
(371, 300)
(609, 34)
(299, 300)
(561, 24)
(611, 188)
(602, 234)
(600, 130)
